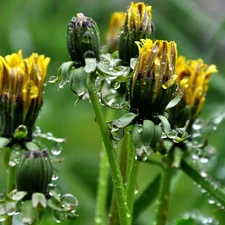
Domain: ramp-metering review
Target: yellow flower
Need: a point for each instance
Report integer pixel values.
(116, 22)
(139, 17)
(193, 79)
(138, 25)
(21, 90)
(154, 81)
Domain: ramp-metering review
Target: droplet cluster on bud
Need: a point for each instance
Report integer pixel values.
(21, 91)
(138, 25)
(34, 172)
(154, 81)
(82, 39)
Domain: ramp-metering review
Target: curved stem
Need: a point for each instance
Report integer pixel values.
(164, 197)
(100, 214)
(205, 183)
(132, 170)
(112, 158)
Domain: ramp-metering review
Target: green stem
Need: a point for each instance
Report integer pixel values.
(112, 157)
(100, 214)
(205, 183)
(11, 181)
(131, 177)
(164, 196)
(114, 216)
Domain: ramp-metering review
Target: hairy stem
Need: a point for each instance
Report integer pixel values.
(100, 214)
(132, 172)
(114, 216)
(112, 157)
(164, 196)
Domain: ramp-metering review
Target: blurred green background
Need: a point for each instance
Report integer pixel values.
(198, 27)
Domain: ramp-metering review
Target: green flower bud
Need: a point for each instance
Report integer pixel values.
(153, 83)
(21, 92)
(138, 25)
(82, 39)
(34, 172)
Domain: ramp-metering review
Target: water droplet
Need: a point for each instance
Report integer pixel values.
(211, 201)
(55, 175)
(52, 79)
(142, 153)
(196, 126)
(56, 149)
(115, 84)
(136, 190)
(69, 202)
(58, 216)
(55, 188)
(128, 215)
(14, 158)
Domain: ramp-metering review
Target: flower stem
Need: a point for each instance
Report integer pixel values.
(164, 195)
(11, 180)
(114, 216)
(132, 171)
(100, 214)
(205, 183)
(112, 157)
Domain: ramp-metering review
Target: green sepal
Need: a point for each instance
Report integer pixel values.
(148, 131)
(124, 120)
(166, 124)
(39, 201)
(31, 146)
(112, 67)
(77, 81)
(90, 65)
(64, 72)
(133, 62)
(137, 135)
(4, 142)
(157, 135)
(174, 101)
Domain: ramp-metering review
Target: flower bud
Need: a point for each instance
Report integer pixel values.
(154, 81)
(21, 91)
(34, 172)
(116, 22)
(138, 25)
(193, 79)
(82, 39)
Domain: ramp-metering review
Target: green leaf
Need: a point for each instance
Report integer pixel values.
(147, 197)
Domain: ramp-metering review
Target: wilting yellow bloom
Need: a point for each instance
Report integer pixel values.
(139, 17)
(154, 81)
(193, 79)
(138, 25)
(116, 22)
(21, 90)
